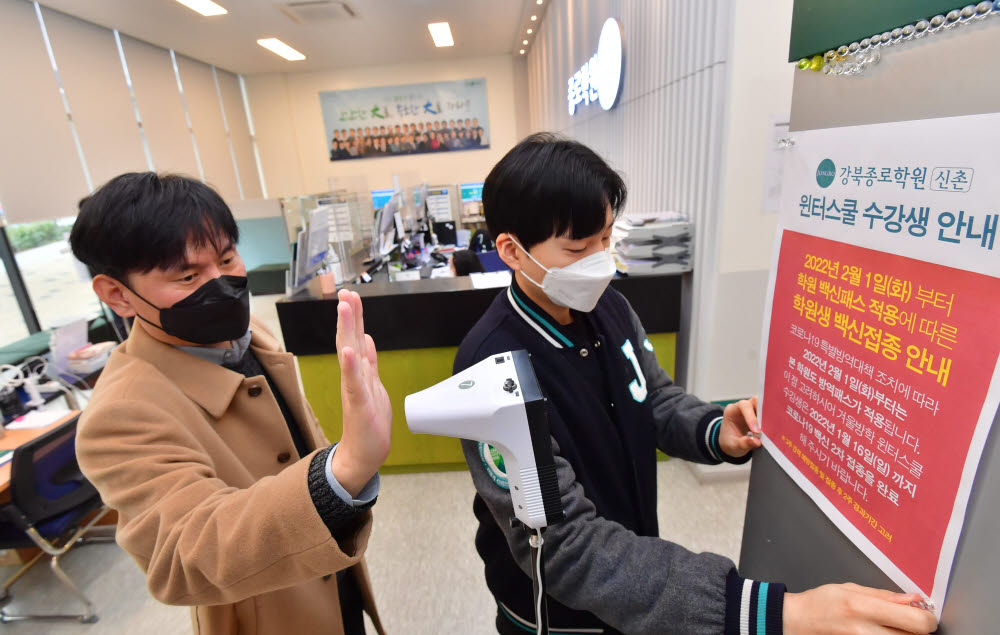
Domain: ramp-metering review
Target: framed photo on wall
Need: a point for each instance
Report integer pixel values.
(382, 121)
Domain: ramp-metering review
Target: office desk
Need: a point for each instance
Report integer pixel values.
(417, 327)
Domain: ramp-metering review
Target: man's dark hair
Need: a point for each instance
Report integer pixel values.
(549, 186)
(141, 221)
(466, 262)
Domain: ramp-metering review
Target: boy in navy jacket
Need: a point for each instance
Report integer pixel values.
(551, 203)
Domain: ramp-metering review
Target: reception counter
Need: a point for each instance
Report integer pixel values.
(417, 327)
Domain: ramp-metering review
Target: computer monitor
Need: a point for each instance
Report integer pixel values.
(492, 262)
(381, 197)
(472, 192)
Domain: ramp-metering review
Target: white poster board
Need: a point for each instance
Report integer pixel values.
(884, 300)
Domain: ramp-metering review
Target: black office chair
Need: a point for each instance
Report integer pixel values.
(52, 507)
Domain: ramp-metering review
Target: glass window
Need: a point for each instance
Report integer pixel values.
(57, 283)
(12, 326)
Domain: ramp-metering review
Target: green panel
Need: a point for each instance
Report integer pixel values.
(821, 25)
(405, 372)
(402, 372)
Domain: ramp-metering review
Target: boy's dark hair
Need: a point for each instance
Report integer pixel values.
(549, 186)
(466, 262)
(141, 221)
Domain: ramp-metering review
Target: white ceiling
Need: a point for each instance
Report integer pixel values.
(384, 31)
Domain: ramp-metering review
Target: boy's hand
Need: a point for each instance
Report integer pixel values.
(367, 410)
(738, 419)
(848, 608)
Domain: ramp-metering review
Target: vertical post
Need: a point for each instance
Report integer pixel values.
(17, 282)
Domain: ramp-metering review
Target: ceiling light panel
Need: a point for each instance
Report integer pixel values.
(278, 47)
(441, 33)
(205, 7)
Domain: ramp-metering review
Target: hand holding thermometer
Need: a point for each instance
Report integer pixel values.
(498, 401)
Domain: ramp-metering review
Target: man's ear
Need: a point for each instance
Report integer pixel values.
(508, 251)
(111, 293)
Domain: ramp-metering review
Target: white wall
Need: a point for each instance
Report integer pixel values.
(701, 85)
(664, 134)
(760, 89)
(292, 141)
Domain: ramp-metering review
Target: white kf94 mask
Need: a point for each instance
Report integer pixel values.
(578, 286)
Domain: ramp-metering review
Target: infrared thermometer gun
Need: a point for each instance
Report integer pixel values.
(498, 402)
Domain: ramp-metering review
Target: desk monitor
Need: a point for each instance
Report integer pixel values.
(381, 197)
(491, 261)
(472, 192)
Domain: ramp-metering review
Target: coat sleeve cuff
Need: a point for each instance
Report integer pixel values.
(368, 493)
(338, 515)
(753, 608)
(709, 433)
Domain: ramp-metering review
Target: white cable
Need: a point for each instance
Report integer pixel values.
(541, 584)
(14, 383)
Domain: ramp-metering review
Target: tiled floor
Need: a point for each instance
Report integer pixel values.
(427, 576)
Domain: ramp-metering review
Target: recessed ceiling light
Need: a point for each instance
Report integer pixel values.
(524, 41)
(522, 51)
(529, 31)
(441, 33)
(534, 17)
(538, 2)
(278, 47)
(205, 7)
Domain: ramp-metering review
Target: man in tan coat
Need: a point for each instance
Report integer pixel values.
(229, 496)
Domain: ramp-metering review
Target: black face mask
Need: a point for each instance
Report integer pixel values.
(217, 311)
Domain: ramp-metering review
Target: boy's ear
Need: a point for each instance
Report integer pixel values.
(110, 292)
(508, 251)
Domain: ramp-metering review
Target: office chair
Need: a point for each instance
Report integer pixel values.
(52, 507)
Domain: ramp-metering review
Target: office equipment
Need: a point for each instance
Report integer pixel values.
(498, 401)
(381, 197)
(52, 507)
(439, 204)
(647, 246)
(492, 262)
(472, 202)
(445, 232)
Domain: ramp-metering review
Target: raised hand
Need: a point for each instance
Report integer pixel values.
(366, 407)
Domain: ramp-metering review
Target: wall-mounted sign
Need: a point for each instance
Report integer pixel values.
(397, 120)
(600, 78)
(887, 236)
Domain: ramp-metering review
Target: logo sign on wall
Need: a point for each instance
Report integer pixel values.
(600, 78)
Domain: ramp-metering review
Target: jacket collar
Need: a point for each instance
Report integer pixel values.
(536, 317)
(209, 385)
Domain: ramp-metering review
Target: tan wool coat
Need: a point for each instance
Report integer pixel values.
(195, 459)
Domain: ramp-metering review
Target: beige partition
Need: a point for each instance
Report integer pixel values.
(206, 119)
(271, 112)
(239, 133)
(92, 76)
(160, 107)
(40, 172)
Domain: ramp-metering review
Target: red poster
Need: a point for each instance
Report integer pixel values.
(877, 372)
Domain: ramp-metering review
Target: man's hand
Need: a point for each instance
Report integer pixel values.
(836, 609)
(738, 419)
(367, 411)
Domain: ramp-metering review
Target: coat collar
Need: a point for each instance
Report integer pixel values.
(209, 385)
(536, 317)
